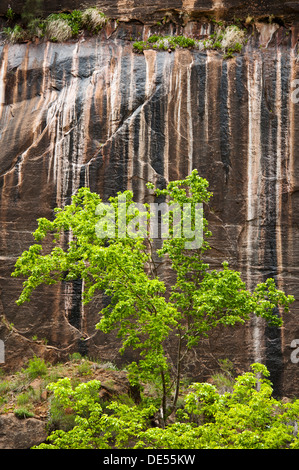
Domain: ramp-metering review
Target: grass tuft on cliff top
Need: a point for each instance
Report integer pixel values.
(57, 27)
(229, 40)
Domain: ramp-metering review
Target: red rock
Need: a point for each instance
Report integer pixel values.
(145, 11)
(21, 433)
(94, 113)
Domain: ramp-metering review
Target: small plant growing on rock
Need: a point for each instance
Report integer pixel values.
(233, 39)
(229, 40)
(36, 28)
(23, 413)
(15, 34)
(58, 29)
(93, 20)
(23, 399)
(10, 14)
(5, 387)
(84, 368)
(165, 43)
(36, 368)
(76, 356)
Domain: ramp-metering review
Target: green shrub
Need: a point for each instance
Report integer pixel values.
(184, 42)
(84, 368)
(23, 399)
(36, 368)
(58, 29)
(23, 413)
(10, 14)
(36, 28)
(15, 34)
(93, 20)
(248, 417)
(5, 386)
(153, 39)
(76, 356)
(30, 396)
(140, 46)
(93, 428)
(165, 43)
(59, 417)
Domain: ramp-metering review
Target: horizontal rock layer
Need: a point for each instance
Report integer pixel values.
(94, 113)
(149, 11)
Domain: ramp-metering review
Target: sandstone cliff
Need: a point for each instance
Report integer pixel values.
(92, 112)
(149, 11)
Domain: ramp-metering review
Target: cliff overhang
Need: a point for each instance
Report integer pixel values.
(149, 12)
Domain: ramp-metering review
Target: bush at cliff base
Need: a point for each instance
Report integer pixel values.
(246, 418)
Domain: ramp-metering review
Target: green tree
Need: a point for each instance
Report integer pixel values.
(112, 251)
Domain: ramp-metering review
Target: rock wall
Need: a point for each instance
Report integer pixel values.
(21, 433)
(94, 113)
(149, 11)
